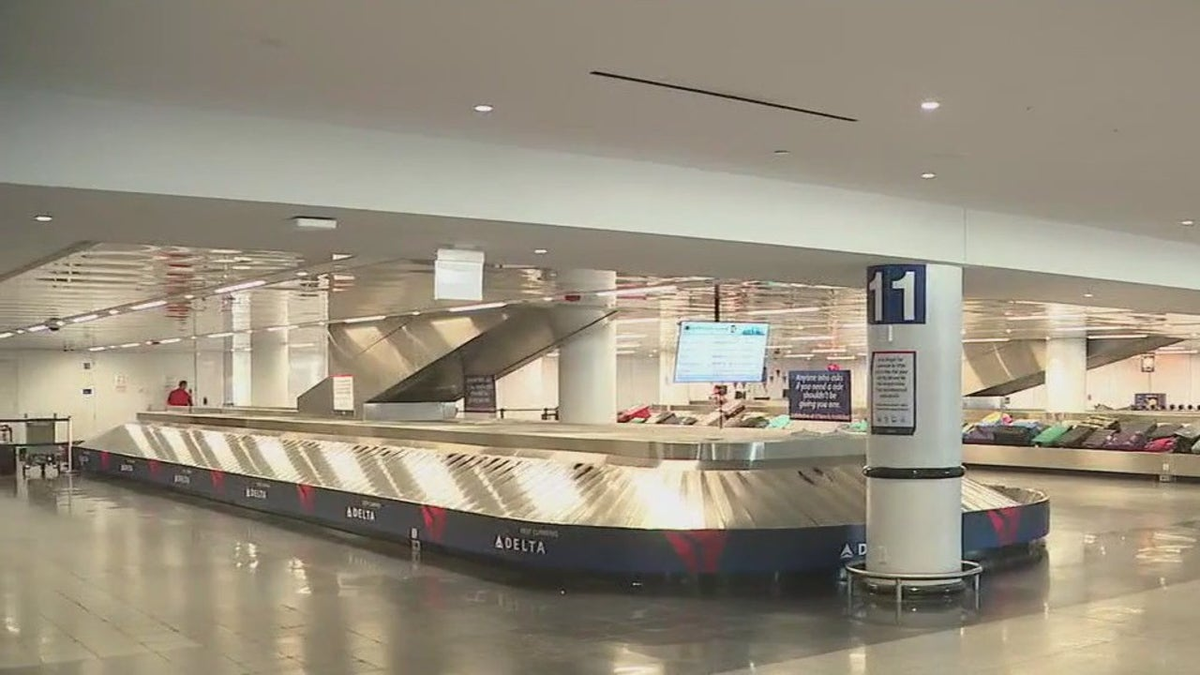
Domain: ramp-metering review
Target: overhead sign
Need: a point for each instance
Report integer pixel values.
(479, 394)
(896, 294)
(1149, 401)
(1147, 363)
(712, 351)
(458, 275)
(894, 393)
(819, 395)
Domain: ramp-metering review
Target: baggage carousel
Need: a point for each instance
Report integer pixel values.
(611, 500)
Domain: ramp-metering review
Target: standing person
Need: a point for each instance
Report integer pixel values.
(180, 396)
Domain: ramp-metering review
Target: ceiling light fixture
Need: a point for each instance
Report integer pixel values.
(928, 175)
(96, 349)
(170, 341)
(301, 273)
(1187, 223)
(113, 312)
(85, 318)
(811, 338)
(43, 217)
(37, 329)
(639, 290)
(366, 319)
(220, 335)
(484, 108)
(245, 285)
(540, 251)
(128, 345)
(276, 329)
(980, 340)
(1129, 336)
(1088, 295)
(148, 305)
(6, 335)
(930, 104)
(789, 310)
(649, 319)
(829, 350)
(474, 308)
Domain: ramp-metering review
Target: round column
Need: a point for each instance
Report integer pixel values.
(1066, 375)
(269, 370)
(587, 362)
(914, 451)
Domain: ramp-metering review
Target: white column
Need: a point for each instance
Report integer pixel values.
(1066, 375)
(587, 362)
(670, 393)
(914, 475)
(269, 370)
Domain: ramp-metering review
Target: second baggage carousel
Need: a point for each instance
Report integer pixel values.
(545, 495)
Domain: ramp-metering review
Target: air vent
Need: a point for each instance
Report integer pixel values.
(722, 95)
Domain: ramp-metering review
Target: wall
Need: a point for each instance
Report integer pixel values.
(122, 383)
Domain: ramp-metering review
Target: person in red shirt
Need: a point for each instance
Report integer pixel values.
(180, 396)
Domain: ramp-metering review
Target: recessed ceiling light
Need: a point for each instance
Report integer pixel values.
(1088, 295)
(1187, 223)
(928, 175)
(484, 108)
(930, 105)
(43, 217)
(781, 152)
(540, 251)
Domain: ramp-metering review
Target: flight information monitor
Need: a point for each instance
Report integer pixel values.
(712, 351)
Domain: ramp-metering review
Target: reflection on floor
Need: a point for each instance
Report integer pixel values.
(99, 578)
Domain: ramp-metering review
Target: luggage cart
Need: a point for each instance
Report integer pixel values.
(40, 446)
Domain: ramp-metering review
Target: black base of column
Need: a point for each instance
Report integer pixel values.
(893, 473)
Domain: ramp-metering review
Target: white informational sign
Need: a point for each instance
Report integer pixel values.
(343, 393)
(458, 275)
(711, 351)
(894, 392)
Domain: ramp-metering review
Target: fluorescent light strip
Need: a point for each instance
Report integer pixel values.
(474, 308)
(170, 341)
(652, 319)
(847, 357)
(831, 350)
(276, 329)
(96, 349)
(85, 318)
(774, 312)
(811, 338)
(980, 340)
(1130, 336)
(220, 335)
(37, 329)
(246, 285)
(5, 335)
(127, 345)
(621, 292)
(148, 305)
(366, 319)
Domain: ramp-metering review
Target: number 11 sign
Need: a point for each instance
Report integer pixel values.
(895, 294)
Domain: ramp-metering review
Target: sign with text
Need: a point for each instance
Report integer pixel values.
(458, 275)
(1149, 401)
(819, 395)
(712, 351)
(893, 393)
(343, 393)
(479, 394)
(895, 294)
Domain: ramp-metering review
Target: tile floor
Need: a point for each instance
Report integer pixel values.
(99, 578)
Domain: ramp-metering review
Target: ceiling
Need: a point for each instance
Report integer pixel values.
(1076, 111)
(107, 296)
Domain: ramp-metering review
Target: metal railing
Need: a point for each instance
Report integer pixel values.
(968, 570)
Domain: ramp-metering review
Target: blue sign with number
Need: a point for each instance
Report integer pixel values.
(895, 294)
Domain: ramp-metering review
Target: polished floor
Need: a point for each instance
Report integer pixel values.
(99, 578)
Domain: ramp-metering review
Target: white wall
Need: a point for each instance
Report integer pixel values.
(122, 383)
